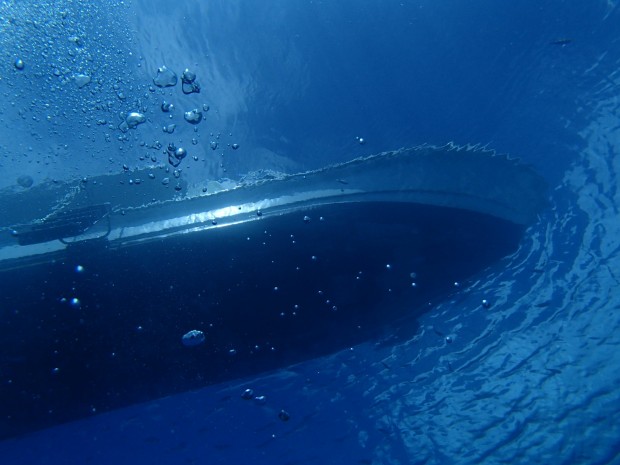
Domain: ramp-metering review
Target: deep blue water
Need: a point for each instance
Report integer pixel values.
(532, 379)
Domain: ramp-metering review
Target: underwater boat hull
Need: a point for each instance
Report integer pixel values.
(270, 273)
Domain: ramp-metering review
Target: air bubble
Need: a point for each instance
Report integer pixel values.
(165, 77)
(193, 116)
(193, 338)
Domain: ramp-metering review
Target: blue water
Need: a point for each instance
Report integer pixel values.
(532, 379)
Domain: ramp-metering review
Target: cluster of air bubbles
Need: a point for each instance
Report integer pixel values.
(360, 140)
(188, 82)
(175, 154)
(167, 78)
(248, 394)
(73, 302)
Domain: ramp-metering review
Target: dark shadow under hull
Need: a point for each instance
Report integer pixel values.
(279, 286)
